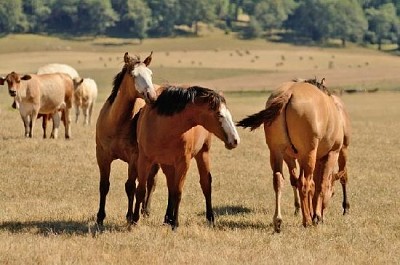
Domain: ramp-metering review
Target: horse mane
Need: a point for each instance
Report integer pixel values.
(315, 82)
(174, 99)
(130, 63)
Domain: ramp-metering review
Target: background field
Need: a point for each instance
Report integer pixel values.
(49, 188)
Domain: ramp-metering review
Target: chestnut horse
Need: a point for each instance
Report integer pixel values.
(303, 123)
(115, 128)
(175, 129)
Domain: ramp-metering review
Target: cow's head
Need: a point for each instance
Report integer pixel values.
(13, 81)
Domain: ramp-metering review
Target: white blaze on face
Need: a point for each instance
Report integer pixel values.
(144, 82)
(229, 126)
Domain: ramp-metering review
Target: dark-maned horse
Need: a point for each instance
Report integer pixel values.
(303, 123)
(175, 129)
(115, 128)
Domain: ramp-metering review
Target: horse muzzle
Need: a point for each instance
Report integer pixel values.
(232, 145)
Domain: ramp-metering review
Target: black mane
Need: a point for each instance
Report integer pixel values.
(130, 63)
(116, 84)
(174, 99)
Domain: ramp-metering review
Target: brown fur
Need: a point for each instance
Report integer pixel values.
(41, 94)
(114, 137)
(309, 128)
(172, 137)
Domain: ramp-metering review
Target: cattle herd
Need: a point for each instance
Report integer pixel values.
(50, 94)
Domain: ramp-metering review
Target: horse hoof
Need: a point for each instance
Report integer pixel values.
(278, 225)
(145, 213)
(317, 219)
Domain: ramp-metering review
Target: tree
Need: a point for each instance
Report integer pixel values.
(37, 12)
(63, 16)
(253, 29)
(164, 14)
(382, 22)
(193, 12)
(347, 20)
(272, 14)
(95, 16)
(12, 19)
(135, 18)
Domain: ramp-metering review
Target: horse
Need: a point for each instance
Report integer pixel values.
(302, 123)
(116, 128)
(41, 94)
(172, 131)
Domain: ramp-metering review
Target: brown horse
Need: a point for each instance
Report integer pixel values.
(176, 129)
(115, 128)
(303, 123)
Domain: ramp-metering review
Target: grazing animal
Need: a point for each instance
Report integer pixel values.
(58, 68)
(85, 94)
(50, 69)
(303, 123)
(41, 94)
(176, 129)
(116, 128)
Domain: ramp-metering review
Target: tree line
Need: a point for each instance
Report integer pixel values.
(362, 21)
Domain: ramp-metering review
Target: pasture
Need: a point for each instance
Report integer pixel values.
(49, 188)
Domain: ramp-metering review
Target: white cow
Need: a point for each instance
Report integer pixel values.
(58, 68)
(85, 94)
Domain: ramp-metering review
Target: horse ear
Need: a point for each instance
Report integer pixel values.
(323, 82)
(147, 61)
(2, 79)
(126, 58)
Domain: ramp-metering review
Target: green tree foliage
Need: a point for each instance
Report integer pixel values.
(12, 18)
(253, 30)
(164, 15)
(272, 14)
(346, 20)
(193, 12)
(135, 18)
(382, 23)
(37, 12)
(95, 16)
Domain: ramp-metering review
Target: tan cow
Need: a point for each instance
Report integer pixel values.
(41, 94)
(85, 94)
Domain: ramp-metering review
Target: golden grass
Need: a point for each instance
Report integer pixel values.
(49, 192)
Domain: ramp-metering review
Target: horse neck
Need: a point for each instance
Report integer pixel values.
(121, 108)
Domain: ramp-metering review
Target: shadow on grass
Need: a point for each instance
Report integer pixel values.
(242, 225)
(47, 228)
(231, 210)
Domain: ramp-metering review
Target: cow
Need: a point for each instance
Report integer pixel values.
(85, 94)
(41, 94)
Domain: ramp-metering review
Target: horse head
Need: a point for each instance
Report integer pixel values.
(142, 76)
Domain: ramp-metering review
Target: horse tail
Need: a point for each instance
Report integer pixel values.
(274, 107)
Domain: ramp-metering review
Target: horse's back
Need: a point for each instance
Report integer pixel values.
(313, 120)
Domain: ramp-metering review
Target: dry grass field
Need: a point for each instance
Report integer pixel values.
(49, 188)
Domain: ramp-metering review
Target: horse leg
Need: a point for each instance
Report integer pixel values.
(151, 186)
(323, 187)
(130, 187)
(306, 186)
(291, 164)
(276, 165)
(180, 176)
(203, 166)
(144, 167)
(56, 125)
(104, 164)
(343, 154)
(169, 172)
